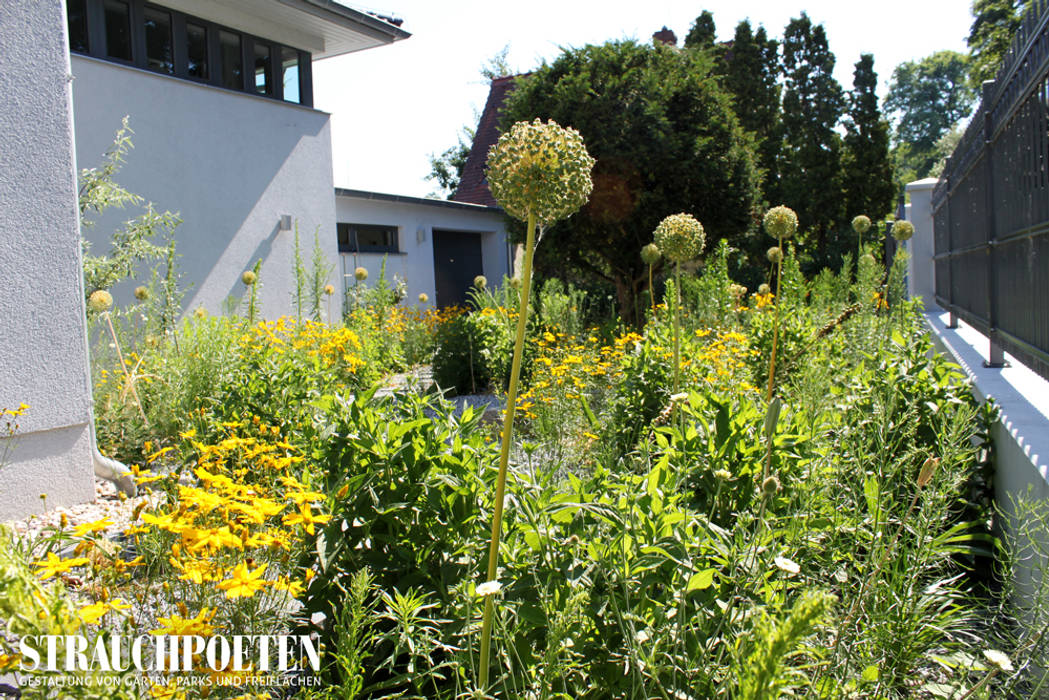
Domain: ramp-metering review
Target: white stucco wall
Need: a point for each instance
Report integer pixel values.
(921, 269)
(43, 341)
(230, 164)
(416, 222)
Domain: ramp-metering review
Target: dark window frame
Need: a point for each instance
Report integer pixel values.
(96, 42)
(352, 244)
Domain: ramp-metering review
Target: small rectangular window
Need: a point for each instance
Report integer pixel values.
(118, 29)
(197, 51)
(289, 66)
(159, 54)
(77, 16)
(263, 69)
(366, 238)
(232, 61)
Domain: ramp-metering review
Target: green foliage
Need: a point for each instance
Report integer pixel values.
(447, 169)
(994, 24)
(926, 97)
(473, 353)
(702, 33)
(638, 104)
(867, 168)
(320, 272)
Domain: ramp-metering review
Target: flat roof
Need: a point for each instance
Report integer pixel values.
(384, 197)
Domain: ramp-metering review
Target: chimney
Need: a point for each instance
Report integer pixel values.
(665, 36)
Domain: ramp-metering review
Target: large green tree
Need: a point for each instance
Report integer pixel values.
(994, 23)
(926, 97)
(665, 140)
(867, 175)
(749, 71)
(702, 33)
(813, 103)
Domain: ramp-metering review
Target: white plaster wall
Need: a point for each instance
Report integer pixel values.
(230, 164)
(921, 270)
(43, 341)
(415, 222)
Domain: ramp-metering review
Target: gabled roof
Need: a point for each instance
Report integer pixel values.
(473, 185)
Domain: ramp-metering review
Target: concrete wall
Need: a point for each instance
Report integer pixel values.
(230, 164)
(921, 271)
(415, 221)
(43, 344)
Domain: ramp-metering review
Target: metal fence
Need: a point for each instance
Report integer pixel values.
(991, 207)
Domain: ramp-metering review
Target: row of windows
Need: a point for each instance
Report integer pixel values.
(367, 238)
(170, 42)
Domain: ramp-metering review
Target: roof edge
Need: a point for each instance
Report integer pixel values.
(406, 199)
(361, 21)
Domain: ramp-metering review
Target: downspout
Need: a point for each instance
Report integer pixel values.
(108, 468)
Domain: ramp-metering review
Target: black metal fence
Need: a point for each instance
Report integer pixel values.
(991, 207)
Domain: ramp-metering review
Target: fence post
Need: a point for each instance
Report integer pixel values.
(952, 318)
(996, 355)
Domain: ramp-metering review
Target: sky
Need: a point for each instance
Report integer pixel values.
(394, 105)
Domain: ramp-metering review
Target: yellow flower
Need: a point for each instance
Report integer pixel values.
(55, 565)
(88, 528)
(306, 517)
(91, 614)
(244, 583)
(176, 626)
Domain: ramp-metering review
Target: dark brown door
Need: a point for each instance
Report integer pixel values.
(456, 262)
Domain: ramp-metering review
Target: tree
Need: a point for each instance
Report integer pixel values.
(749, 71)
(994, 24)
(927, 97)
(867, 171)
(447, 168)
(702, 33)
(810, 170)
(665, 140)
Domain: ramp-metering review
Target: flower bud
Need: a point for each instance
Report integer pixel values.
(249, 278)
(775, 255)
(361, 274)
(651, 254)
(424, 298)
(480, 281)
(770, 486)
(142, 293)
(764, 289)
(329, 289)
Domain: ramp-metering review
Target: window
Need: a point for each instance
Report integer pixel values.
(118, 29)
(159, 56)
(196, 51)
(367, 238)
(163, 40)
(77, 11)
(289, 66)
(263, 70)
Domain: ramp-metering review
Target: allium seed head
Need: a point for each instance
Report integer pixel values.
(329, 289)
(861, 224)
(770, 486)
(515, 282)
(902, 230)
(781, 222)
(680, 237)
(249, 278)
(764, 289)
(100, 301)
(361, 274)
(141, 293)
(651, 254)
(424, 297)
(480, 281)
(540, 168)
(775, 255)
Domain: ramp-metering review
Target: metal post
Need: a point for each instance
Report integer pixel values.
(996, 355)
(952, 318)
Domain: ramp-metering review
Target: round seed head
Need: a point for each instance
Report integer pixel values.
(775, 255)
(540, 168)
(480, 281)
(515, 282)
(100, 301)
(680, 237)
(861, 224)
(249, 278)
(781, 222)
(424, 297)
(902, 230)
(651, 254)
(361, 274)
(142, 293)
(329, 289)
(764, 289)
(770, 486)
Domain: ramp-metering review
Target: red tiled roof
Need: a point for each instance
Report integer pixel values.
(473, 185)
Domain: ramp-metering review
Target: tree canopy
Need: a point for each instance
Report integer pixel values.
(867, 168)
(994, 23)
(665, 140)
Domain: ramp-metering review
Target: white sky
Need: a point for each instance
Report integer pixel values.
(392, 106)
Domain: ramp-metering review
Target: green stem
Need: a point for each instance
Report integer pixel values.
(504, 453)
(651, 292)
(677, 327)
(775, 325)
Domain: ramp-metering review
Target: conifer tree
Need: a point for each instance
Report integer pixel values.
(702, 33)
(867, 167)
(810, 175)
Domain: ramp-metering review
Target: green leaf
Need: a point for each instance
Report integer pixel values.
(870, 674)
(870, 491)
(701, 581)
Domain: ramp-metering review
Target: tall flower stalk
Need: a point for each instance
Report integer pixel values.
(680, 238)
(781, 223)
(650, 255)
(539, 173)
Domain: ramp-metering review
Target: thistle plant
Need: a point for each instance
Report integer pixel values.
(780, 223)
(680, 238)
(539, 173)
(651, 255)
